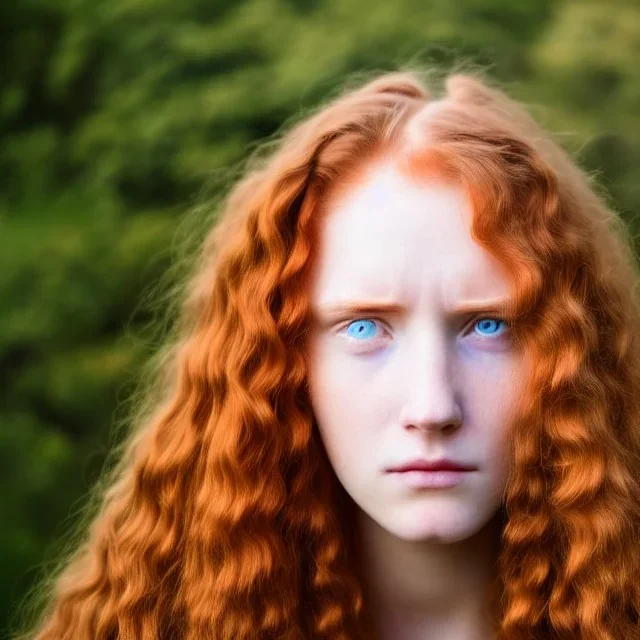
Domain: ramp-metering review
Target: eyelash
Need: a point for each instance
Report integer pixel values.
(473, 322)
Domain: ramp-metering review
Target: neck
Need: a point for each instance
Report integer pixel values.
(427, 590)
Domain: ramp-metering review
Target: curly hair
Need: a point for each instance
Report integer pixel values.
(224, 520)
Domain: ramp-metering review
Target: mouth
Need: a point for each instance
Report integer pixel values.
(432, 474)
(426, 466)
(439, 479)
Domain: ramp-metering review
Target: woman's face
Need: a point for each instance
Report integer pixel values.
(396, 372)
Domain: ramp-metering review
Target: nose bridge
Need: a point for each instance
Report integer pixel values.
(431, 393)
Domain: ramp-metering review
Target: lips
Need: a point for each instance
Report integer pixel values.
(443, 464)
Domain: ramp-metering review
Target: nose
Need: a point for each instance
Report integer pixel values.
(431, 401)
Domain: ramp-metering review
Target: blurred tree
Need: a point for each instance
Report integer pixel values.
(588, 65)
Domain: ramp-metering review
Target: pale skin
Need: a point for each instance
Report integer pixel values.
(414, 375)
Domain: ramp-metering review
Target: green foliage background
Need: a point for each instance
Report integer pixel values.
(114, 115)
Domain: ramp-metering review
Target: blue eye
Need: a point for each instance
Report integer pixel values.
(362, 329)
(489, 324)
(366, 329)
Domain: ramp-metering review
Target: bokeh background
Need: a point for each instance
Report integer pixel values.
(118, 117)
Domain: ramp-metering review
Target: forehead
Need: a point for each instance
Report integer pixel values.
(388, 236)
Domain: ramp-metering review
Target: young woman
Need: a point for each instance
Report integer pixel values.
(404, 399)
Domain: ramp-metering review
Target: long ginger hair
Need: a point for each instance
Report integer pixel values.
(224, 520)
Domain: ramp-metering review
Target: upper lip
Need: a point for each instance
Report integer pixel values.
(443, 464)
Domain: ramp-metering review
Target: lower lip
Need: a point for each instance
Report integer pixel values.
(443, 479)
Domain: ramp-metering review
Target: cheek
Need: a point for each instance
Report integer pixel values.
(342, 405)
(491, 399)
(493, 386)
(337, 411)
(495, 400)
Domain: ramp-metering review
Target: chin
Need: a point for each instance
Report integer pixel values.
(440, 532)
(440, 537)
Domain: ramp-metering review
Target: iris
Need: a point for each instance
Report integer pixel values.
(490, 322)
(362, 329)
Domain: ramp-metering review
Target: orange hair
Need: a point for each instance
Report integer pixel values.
(224, 519)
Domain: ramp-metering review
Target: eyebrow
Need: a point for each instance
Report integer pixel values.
(493, 305)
